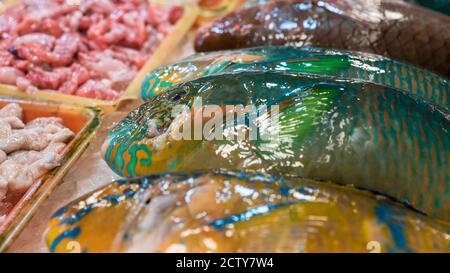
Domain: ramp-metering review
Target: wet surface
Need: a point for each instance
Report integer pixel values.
(91, 172)
(321, 128)
(88, 174)
(393, 28)
(238, 212)
(306, 60)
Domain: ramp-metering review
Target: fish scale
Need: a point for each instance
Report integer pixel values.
(329, 129)
(391, 28)
(315, 61)
(239, 212)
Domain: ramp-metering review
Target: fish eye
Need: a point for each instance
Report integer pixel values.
(176, 98)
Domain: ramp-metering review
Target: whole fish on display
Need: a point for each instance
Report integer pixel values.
(238, 212)
(392, 28)
(343, 131)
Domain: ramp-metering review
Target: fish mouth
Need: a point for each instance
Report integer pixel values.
(154, 136)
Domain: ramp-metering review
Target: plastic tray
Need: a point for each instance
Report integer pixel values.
(190, 12)
(83, 121)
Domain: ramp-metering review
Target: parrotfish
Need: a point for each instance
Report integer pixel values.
(321, 128)
(240, 212)
(392, 28)
(337, 63)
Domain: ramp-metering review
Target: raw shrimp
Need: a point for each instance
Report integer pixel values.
(97, 90)
(97, 6)
(61, 55)
(79, 76)
(106, 32)
(31, 46)
(35, 20)
(60, 45)
(6, 58)
(86, 21)
(137, 34)
(25, 85)
(130, 56)
(48, 79)
(44, 40)
(9, 75)
(103, 64)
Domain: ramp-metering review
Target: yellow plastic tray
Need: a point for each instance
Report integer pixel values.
(132, 92)
(83, 121)
(207, 14)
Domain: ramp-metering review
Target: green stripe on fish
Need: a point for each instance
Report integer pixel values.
(337, 63)
(348, 132)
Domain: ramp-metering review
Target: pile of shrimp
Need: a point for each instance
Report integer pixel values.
(88, 48)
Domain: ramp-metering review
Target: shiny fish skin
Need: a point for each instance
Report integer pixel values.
(237, 212)
(438, 5)
(342, 131)
(337, 63)
(390, 28)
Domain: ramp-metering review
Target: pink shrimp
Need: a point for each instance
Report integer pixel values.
(52, 26)
(65, 49)
(8, 23)
(48, 80)
(41, 39)
(9, 75)
(155, 15)
(6, 58)
(97, 90)
(32, 46)
(33, 21)
(53, 44)
(137, 34)
(116, 33)
(87, 21)
(98, 6)
(100, 29)
(79, 76)
(23, 65)
(102, 64)
(175, 13)
(61, 55)
(129, 55)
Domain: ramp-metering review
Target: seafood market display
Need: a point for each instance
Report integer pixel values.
(237, 212)
(342, 64)
(392, 28)
(343, 131)
(298, 126)
(84, 48)
(28, 150)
